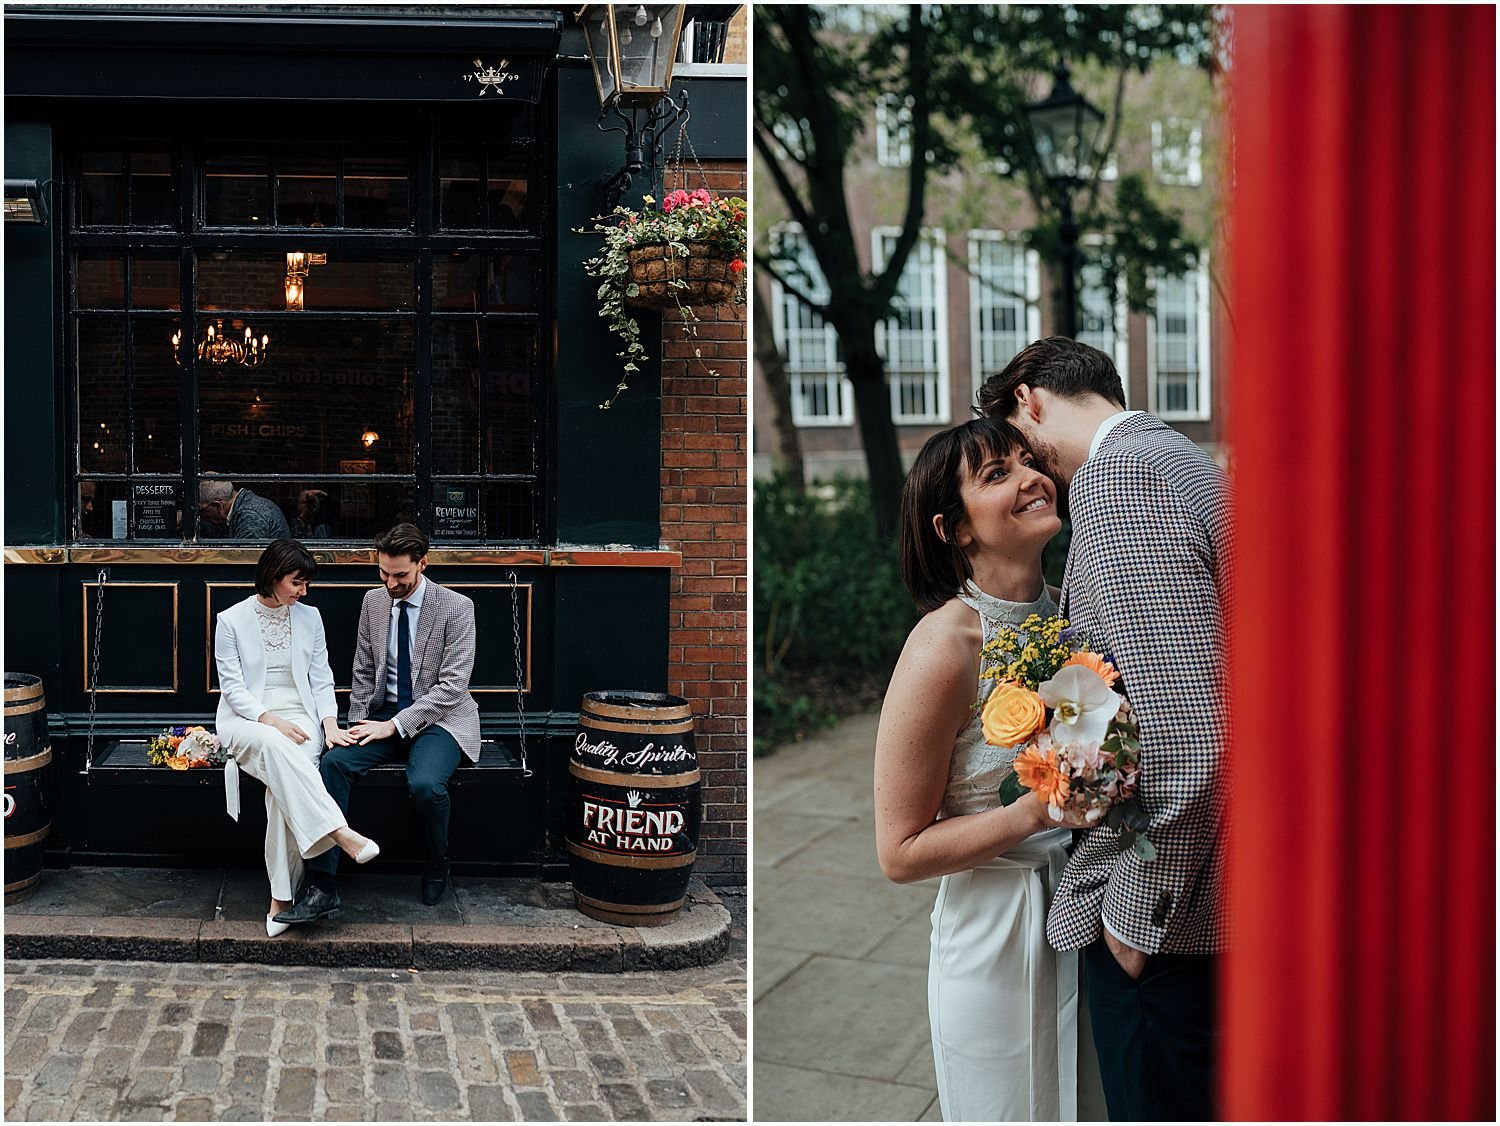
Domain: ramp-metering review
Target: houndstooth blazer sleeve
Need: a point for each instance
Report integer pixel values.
(1146, 568)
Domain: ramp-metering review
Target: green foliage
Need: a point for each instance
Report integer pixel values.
(831, 612)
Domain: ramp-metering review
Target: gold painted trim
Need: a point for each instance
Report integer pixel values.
(36, 555)
(29, 838)
(25, 765)
(586, 720)
(645, 781)
(87, 634)
(630, 908)
(193, 555)
(647, 713)
(25, 709)
(583, 852)
(25, 692)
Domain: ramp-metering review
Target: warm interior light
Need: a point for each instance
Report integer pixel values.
(294, 293)
(369, 438)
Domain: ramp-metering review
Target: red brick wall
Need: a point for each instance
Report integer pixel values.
(704, 478)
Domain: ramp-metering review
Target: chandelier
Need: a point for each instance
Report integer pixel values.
(216, 348)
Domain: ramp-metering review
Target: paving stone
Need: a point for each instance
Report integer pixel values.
(390, 1081)
(201, 1077)
(83, 1030)
(541, 1016)
(438, 1090)
(249, 1078)
(430, 1050)
(393, 1112)
(488, 1104)
(388, 1046)
(164, 1044)
(25, 1053)
(254, 1038)
(48, 1013)
(295, 1091)
(572, 1086)
(56, 1076)
(467, 1020)
(588, 1112)
(345, 1112)
(194, 1110)
(624, 1101)
(143, 1113)
(342, 1024)
(174, 1013)
(243, 1112)
(382, 1014)
(428, 1021)
(476, 1061)
(668, 1093)
(152, 1084)
(536, 1107)
(341, 1055)
(208, 1038)
(523, 1069)
(344, 1085)
(608, 1067)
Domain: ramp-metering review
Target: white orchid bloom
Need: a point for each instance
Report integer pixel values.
(1082, 705)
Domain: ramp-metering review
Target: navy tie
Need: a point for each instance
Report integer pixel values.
(403, 658)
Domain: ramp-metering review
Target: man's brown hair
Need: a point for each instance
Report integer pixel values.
(403, 539)
(1064, 367)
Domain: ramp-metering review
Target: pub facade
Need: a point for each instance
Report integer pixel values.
(330, 257)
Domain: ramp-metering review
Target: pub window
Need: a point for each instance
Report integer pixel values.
(301, 328)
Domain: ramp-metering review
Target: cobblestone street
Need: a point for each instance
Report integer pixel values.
(137, 1041)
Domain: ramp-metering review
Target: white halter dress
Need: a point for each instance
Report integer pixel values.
(1010, 1033)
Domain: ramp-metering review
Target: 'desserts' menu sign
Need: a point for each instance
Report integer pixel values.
(455, 512)
(155, 511)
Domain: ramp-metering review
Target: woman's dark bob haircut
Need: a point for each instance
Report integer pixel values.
(933, 568)
(280, 559)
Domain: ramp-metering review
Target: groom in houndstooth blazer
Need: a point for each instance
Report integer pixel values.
(1146, 583)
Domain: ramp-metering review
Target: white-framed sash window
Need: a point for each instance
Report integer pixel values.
(893, 130)
(1005, 287)
(1177, 352)
(1104, 320)
(1177, 151)
(821, 394)
(914, 339)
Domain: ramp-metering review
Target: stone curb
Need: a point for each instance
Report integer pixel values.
(698, 936)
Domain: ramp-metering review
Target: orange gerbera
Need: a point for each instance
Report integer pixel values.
(1107, 672)
(1037, 770)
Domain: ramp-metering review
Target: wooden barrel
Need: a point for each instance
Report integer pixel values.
(633, 807)
(28, 758)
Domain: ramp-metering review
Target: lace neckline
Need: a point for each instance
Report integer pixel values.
(272, 611)
(991, 606)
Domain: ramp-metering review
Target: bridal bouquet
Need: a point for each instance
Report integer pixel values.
(1066, 709)
(183, 748)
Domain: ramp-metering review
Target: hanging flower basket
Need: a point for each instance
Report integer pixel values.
(665, 278)
(688, 252)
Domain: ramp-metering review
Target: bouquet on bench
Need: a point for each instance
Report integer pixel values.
(183, 748)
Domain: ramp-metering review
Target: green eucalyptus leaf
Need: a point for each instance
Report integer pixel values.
(1011, 790)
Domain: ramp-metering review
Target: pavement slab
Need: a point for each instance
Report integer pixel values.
(840, 990)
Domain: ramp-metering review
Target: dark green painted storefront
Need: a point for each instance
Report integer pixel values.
(591, 587)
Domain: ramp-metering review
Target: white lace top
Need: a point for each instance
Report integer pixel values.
(976, 769)
(276, 635)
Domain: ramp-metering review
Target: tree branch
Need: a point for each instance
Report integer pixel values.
(767, 263)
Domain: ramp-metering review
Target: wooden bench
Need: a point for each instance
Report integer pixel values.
(122, 762)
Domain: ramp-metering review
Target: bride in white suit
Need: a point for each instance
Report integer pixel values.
(274, 679)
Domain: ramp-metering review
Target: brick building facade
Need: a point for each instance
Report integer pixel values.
(704, 479)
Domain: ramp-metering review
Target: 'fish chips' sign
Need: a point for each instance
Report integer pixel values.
(633, 826)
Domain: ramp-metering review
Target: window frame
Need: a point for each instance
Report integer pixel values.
(893, 130)
(1203, 350)
(1031, 329)
(1120, 351)
(423, 241)
(937, 239)
(1192, 174)
(836, 385)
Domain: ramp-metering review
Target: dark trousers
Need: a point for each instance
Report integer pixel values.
(431, 758)
(1157, 1037)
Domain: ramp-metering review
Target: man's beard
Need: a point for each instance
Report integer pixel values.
(1046, 460)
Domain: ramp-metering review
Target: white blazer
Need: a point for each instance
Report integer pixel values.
(241, 659)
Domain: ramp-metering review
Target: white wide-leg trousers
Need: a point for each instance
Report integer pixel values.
(299, 813)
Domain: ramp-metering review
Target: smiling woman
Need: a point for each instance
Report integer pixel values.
(975, 518)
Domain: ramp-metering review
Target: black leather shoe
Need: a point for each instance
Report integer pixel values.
(314, 905)
(434, 881)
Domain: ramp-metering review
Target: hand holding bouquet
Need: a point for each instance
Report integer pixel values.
(183, 748)
(1065, 708)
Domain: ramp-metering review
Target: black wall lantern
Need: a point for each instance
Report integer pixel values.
(633, 48)
(1065, 130)
(24, 202)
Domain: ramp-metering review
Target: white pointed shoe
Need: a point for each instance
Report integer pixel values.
(368, 853)
(273, 928)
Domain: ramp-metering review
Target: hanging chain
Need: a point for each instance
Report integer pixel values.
(515, 630)
(88, 751)
(682, 135)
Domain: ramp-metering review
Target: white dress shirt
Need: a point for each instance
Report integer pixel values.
(391, 657)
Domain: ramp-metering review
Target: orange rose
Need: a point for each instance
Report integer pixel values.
(1012, 714)
(1038, 771)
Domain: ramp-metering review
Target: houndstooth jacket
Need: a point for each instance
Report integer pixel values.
(1147, 582)
(442, 661)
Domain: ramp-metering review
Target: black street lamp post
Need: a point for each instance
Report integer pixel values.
(1065, 135)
